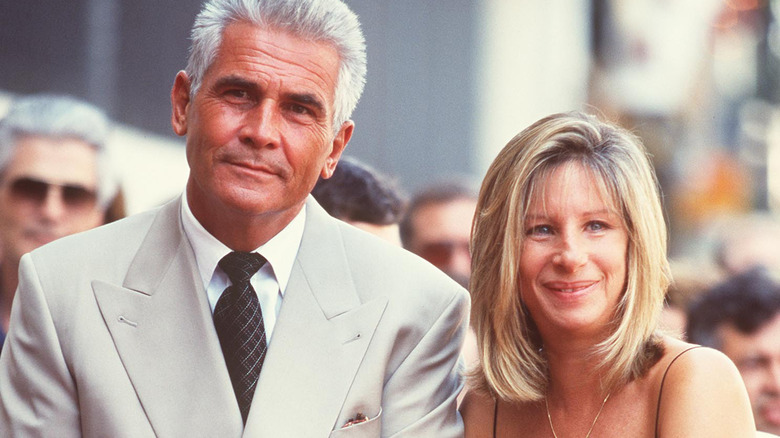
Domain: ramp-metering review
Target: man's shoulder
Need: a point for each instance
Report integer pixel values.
(361, 245)
(373, 259)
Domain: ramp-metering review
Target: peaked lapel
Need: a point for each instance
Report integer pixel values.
(320, 339)
(161, 324)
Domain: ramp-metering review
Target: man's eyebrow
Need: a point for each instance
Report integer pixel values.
(308, 99)
(233, 81)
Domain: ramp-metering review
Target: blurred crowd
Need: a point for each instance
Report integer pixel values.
(719, 194)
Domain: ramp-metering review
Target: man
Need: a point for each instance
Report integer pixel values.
(54, 179)
(741, 317)
(242, 308)
(437, 227)
(746, 241)
(363, 197)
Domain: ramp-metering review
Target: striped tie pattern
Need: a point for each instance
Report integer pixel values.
(239, 324)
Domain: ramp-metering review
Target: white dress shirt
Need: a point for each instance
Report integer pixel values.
(269, 282)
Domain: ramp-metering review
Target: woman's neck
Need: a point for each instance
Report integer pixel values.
(575, 371)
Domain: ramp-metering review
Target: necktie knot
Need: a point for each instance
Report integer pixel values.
(241, 266)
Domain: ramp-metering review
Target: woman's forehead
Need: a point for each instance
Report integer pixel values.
(569, 185)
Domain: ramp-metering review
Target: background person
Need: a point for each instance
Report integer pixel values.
(437, 227)
(743, 242)
(569, 276)
(55, 179)
(359, 195)
(241, 308)
(741, 317)
(690, 278)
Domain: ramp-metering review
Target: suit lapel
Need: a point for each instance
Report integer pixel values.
(320, 339)
(161, 325)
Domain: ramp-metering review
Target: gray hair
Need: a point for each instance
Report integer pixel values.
(329, 21)
(60, 117)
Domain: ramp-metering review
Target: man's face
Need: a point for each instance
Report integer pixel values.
(441, 235)
(757, 357)
(259, 130)
(47, 192)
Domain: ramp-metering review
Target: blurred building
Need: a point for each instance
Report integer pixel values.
(449, 83)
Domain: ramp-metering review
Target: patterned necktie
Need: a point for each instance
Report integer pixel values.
(239, 324)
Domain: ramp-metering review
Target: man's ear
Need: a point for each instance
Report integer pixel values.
(339, 144)
(180, 101)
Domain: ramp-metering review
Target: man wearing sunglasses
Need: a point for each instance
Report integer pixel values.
(54, 179)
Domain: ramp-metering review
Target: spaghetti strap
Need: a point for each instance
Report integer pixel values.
(495, 419)
(663, 379)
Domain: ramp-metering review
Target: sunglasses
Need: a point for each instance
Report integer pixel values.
(31, 190)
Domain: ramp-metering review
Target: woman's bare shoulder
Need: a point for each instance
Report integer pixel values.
(477, 410)
(682, 362)
(702, 392)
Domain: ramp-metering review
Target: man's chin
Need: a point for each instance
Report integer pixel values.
(36, 241)
(768, 420)
(773, 429)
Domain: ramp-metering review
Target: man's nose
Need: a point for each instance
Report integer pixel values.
(773, 380)
(260, 125)
(53, 206)
(460, 260)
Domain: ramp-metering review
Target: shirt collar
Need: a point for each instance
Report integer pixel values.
(280, 251)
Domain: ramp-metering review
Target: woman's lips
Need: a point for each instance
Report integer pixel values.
(569, 287)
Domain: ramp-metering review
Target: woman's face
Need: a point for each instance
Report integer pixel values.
(573, 261)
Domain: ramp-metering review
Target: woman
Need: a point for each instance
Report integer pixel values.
(569, 276)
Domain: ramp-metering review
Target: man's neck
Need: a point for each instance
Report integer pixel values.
(240, 231)
(9, 277)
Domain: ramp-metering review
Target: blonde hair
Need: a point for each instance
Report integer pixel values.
(512, 366)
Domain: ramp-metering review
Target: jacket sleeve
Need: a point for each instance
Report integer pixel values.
(37, 393)
(420, 398)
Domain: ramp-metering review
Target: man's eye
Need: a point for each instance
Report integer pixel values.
(236, 94)
(753, 363)
(299, 109)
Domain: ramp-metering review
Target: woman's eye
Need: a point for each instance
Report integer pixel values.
(597, 226)
(539, 230)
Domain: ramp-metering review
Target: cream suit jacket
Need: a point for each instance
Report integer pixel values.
(112, 336)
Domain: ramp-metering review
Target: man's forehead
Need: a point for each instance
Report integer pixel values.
(735, 341)
(281, 45)
(268, 55)
(57, 160)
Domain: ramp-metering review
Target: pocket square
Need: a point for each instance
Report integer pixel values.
(359, 418)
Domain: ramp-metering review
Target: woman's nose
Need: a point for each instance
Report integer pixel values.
(571, 254)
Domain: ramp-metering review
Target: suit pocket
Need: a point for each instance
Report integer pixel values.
(370, 428)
